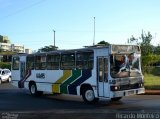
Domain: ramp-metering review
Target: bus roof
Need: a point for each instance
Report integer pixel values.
(114, 49)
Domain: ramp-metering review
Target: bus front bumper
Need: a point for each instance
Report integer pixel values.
(127, 92)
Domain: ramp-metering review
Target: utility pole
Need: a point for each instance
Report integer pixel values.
(54, 37)
(94, 33)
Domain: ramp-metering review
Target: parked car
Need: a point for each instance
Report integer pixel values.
(5, 75)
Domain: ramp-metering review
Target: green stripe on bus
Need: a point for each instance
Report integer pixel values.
(56, 86)
(64, 86)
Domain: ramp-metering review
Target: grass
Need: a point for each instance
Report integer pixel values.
(151, 81)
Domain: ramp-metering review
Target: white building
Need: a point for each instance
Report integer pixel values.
(28, 51)
(12, 47)
(17, 48)
(5, 46)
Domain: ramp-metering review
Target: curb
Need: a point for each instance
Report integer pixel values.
(152, 92)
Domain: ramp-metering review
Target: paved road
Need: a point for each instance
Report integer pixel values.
(15, 102)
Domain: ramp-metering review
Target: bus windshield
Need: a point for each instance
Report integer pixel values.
(125, 65)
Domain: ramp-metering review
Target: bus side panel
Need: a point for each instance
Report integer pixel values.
(85, 75)
(15, 77)
(69, 81)
(53, 75)
(56, 87)
(43, 79)
(60, 81)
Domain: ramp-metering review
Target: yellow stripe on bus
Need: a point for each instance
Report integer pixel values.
(56, 86)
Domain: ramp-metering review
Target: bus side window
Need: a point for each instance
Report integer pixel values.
(68, 61)
(84, 60)
(30, 62)
(79, 61)
(15, 63)
(53, 61)
(40, 62)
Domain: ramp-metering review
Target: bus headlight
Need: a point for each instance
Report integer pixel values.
(141, 85)
(115, 88)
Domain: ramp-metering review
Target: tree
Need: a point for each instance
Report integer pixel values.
(157, 50)
(104, 43)
(48, 48)
(133, 40)
(146, 46)
(144, 41)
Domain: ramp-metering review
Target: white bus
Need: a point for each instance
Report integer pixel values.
(109, 72)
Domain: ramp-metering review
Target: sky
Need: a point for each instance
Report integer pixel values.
(31, 22)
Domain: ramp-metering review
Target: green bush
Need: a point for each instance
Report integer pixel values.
(149, 62)
(152, 78)
(5, 65)
(151, 82)
(156, 71)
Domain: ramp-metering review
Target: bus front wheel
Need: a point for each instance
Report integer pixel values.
(88, 96)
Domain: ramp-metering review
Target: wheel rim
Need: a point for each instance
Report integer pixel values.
(33, 89)
(89, 95)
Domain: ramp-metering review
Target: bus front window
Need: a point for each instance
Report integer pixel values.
(125, 65)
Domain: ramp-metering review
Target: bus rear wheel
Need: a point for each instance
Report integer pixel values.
(88, 96)
(33, 90)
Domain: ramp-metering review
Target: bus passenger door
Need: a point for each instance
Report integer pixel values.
(102, 76)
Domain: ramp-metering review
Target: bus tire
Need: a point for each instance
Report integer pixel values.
(88, 96)
(33, 90)
(116, 99)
